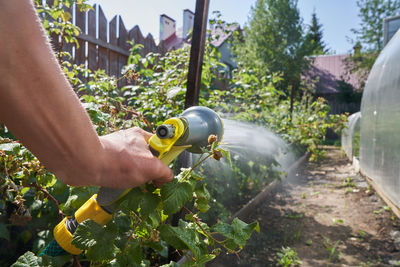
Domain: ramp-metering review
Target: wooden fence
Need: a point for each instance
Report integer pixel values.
(103, 44)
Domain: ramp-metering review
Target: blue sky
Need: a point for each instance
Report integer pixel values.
(336, 16)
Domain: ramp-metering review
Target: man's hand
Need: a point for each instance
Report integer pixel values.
(129, 162)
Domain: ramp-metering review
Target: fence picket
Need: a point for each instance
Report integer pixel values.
(80, 49)
(161, 48)
(150, 45)
(103, 53)
(92, 50)
(122, 43)
(136, 35)
(113, 56)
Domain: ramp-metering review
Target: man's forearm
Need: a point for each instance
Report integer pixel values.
(36, 101)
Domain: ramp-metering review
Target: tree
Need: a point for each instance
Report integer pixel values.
(372, 13)
(314, 37)
(369, 35)
(273, 41)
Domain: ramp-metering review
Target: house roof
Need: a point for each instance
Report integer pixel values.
(166, 16)
(330, 69)
(188, 10)
(173, 42)
(221, 34)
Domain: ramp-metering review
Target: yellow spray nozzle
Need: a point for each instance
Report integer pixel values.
(167, 135)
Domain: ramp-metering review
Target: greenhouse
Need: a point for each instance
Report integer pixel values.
(380, 114)
(351, 137)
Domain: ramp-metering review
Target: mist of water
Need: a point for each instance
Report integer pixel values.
(250, 141)
(258, 156)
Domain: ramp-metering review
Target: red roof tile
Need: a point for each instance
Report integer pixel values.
(173, 42)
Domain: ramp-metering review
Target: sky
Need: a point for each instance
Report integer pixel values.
(336, 16)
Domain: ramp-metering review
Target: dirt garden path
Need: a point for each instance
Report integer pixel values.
(326, 213)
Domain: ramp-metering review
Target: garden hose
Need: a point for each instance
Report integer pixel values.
(189, 132)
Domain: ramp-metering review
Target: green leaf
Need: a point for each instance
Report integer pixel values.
(123, 221)
(97, 240)
(205, 258)
(227, 155)
(202, 205)
(168, 234)
(171, 264)
(10, 148)
(24, 190)
(202, 198)
(202, 192)
(27, 260)
(181, 237)
(49, 261)
(87, 234)
(132, 200)
(174, 91)
(154, 219)
(175, 194)
(121, 261)
(78, 196)
(136, 198)
(149, 203)
(95, 114)
(134, 251)
(4, 232)
(47, 180)
(239, 231)
(65, 16)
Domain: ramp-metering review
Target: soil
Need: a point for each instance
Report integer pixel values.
(328, 214)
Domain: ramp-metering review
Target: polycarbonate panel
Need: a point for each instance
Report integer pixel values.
(348, 135)
(356, 139)
(393, 27)
(380, 122)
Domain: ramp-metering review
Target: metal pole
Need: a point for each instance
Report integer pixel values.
(195, 67)
(193, 80)
(196, 53)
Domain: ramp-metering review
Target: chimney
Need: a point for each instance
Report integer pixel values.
(167, 27)
(188, 21)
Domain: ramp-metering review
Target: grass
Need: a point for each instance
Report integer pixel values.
(331, 247)
(337, 221)
(382, 209)
(348, 182)
(288, 257)
(362, 234)
(290, 236)
(294, 216)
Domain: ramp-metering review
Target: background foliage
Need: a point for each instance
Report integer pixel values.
(369, 41)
